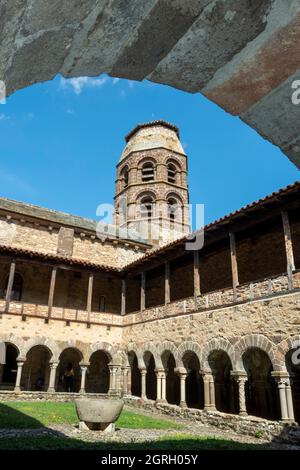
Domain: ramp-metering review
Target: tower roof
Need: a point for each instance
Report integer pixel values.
(159, 122)
(151, 135)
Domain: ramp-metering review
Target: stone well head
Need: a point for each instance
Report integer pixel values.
(98, 414)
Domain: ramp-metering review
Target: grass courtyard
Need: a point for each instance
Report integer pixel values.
(46, 425)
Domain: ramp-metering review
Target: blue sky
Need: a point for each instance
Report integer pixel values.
(60, 142)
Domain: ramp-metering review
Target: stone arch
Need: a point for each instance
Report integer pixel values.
(260, 342)
(132, 348)
(173, 159)
(18, 343)
(48, 343)
(146, 193)
(105, 347)
(216, 344)
(168, 346)
(152, 349)
(146, 159)
(285, 346)
(189, 346)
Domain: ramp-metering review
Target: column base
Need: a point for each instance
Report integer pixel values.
(161, 401)
(183, 404)
(144, 397)
(209, 408)
(82, 391)
(17, 389)
(243, 413)
(51, 390)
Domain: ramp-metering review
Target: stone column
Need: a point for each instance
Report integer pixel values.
(241, 378)
(158, 385)
(289, 399)
(163, 387)
(53, 368)
(182, 376)
(83, 369)
(283, 400)
(112, 381)
(206, 380)
(19, 375)
(212, 392)
(143, 383)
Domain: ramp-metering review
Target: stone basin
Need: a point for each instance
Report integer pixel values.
(98, 413)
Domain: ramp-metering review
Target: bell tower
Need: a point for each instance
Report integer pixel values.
(151, 188)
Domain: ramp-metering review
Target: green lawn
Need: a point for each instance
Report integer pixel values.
(32, 415)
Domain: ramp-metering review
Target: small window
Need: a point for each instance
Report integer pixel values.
(102, 303)
(172, 209)
(147, 208)
(148, 172)
(171, 173)
(124, 176)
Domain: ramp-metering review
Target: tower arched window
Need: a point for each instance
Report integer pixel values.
(124, 176)
(171, 173)
(147, 204)
(172, 209)
(147, 172)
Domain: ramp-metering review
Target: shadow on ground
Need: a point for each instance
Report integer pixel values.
(18, 431)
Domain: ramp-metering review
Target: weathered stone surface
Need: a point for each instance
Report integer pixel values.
(236, 53)
(99, 411)
(222, 30)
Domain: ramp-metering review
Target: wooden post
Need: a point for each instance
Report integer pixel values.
(234, 267)
(123, 297)
(167, 282)
(143, 291)
(288, 247)
(51, 290)
(10, 284)
(197, 288)
(90, 296)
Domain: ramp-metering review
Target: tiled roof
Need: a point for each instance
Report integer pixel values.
(290, 189)
(160, 122)
(11, 250)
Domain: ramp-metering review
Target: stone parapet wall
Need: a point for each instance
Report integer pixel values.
(247, 425)
(7, 396)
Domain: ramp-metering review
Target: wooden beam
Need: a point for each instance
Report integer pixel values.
(123, 297)
(288, 247)
(143, 291)
(197, 287)
(51, 290)
(234, 267)
(10, 283)
(167, 282)
(90, 296)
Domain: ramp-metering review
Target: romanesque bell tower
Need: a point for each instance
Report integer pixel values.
(151, 187)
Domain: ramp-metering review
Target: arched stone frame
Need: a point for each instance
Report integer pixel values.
(170, 159)
(256, 341)
(143, 194)
(122, 171)
(18, 343)
(107, 348)
(178, 198)
(216, 344)
(132, 348)
(48, 343)
(152, 349)
(145, 161)
(168, 346)
(188, 346)
(285, 346)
